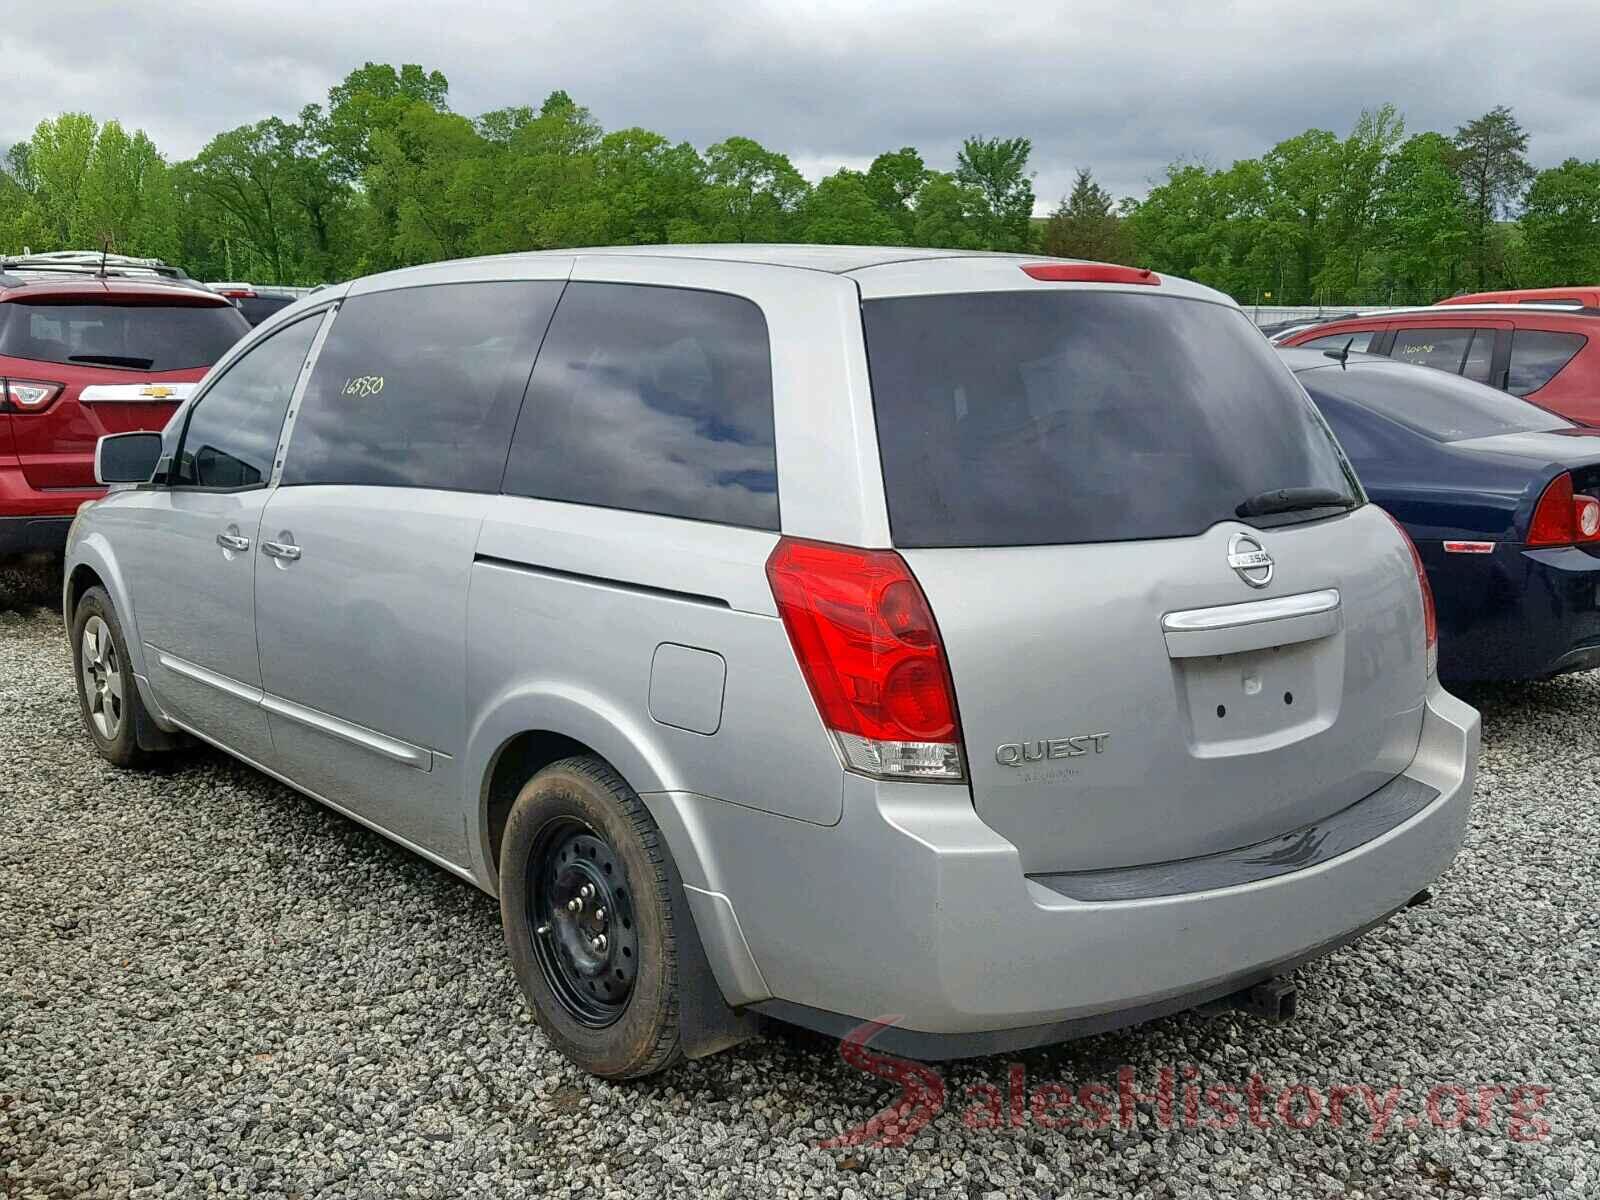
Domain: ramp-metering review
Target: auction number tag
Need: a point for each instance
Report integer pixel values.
(363, 385)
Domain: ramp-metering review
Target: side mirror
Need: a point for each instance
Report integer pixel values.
(127, 457)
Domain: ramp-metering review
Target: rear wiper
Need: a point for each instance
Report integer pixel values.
(1282, 500)
(113, 360)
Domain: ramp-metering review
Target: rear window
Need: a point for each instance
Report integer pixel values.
(257, 309)
(1441, 349)
(1537, 357)
(1028, 418)
(138, 337)
(1443, 407)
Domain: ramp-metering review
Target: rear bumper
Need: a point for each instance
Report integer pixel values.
(1516, 614)
(35, 520)
(913, 909)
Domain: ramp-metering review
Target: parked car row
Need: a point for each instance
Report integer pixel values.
(1024, 618)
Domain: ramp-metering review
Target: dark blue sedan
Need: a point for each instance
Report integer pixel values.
(1499, 496)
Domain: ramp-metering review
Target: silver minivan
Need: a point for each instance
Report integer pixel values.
(995, 646)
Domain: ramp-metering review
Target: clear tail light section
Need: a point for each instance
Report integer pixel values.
(27, 395)
(1430, 618)
(1562, 518)
(870, 652)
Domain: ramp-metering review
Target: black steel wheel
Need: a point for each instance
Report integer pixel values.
(584, 937)
(586, 897)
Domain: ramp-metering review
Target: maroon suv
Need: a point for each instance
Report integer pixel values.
(84, 355)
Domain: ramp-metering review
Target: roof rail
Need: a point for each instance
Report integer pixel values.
(90, 262)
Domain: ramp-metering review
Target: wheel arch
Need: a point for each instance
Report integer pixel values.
(528, 729)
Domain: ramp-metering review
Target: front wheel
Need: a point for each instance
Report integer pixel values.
(586, 902)
(108, 696)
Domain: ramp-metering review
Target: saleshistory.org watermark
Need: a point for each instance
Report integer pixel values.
(1178, 1097)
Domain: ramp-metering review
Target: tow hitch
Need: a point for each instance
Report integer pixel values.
(1272, 999)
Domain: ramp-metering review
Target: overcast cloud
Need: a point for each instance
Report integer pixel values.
(1121, 87)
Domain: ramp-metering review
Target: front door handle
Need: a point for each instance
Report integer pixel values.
(232, 541)
(280, 550)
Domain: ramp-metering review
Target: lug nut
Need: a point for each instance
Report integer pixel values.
(574, 905)
(599, 944)
(586, 890)
(542, 930)
(600, 915)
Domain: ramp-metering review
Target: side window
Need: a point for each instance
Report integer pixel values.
(1359, 342)
(419, 387)
(234, 428)
(1480, 356)
(652, 399)
(1537, 356)
(1442, 349)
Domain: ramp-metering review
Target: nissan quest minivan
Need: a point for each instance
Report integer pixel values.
(1000, 648)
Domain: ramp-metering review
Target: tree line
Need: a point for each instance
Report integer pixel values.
(386, 174)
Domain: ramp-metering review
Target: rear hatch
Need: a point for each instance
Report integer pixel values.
(123, 360)
(1064, 468)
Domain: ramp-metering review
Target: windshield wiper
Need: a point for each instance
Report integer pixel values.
(114, 360)
(1293, 499)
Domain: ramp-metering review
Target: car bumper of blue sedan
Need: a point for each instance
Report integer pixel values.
(1515, 613)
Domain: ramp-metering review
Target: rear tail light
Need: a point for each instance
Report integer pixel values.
(870, 652)
(1430, 619)
(27, 395)
(1089, 273)
(1562, 518)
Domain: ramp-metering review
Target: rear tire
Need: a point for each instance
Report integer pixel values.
(108, 696)
(583, 861)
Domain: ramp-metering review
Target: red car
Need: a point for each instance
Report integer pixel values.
(1567, 297)
(1547, 354)
(84, 354)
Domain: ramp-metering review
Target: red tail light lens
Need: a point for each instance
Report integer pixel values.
(867, 645)
(1562, 518)
(1430, 618)
(1089, 273)
(28, 395)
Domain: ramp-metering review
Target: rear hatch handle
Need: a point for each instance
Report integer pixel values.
(1256, 625)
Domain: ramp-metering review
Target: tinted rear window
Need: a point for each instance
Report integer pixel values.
(420, 387)
(257, 309)
(139, 337)
(1021, 418)
(1359, 342)
(1444, 407)
(1537, 357)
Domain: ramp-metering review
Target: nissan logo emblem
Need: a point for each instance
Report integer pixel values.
(1250, 560)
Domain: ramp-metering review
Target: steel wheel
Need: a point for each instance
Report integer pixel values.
(584, 937)
(102, 678)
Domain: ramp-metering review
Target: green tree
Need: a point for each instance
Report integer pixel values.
(1561, 225)
(893, 181)
(944, 214)
(753, 193)
(1085, 224)
(1492, 161)
(651, 190)
(58, 158)
(842, 210)
(1360, 167)
(996, 169)
(1423, 233)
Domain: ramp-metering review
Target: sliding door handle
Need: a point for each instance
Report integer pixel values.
(232, 541)
(280, 550)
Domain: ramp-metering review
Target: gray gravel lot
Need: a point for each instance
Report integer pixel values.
(210, 985)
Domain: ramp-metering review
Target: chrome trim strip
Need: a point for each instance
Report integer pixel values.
(223, 683)
(136, 393)
(1231, 616)
(437, 860)
(356, 735)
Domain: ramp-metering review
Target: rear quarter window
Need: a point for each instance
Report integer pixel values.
(1537, 357)
(137, 336)
(654, 399)
(419, 387)
(1359, 341)
(1028, 418)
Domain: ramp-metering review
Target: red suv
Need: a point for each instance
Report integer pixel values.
(83, 354)
(1566, 297)
(1547, 354)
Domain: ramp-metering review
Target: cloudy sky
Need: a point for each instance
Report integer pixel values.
(1122, 87)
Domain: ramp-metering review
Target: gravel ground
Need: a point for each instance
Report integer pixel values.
(210, 985)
